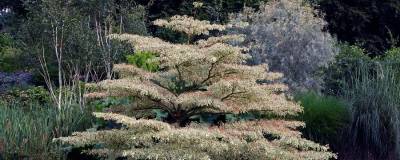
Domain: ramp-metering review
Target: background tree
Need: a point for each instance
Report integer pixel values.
(10, 12)
(372, 23)
(86, 26)
(200, 77)
(9, 53)
(89, 23)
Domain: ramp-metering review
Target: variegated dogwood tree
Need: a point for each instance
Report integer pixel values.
(205, 76)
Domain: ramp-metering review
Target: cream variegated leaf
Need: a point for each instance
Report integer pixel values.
(229, 141)
(188, 25)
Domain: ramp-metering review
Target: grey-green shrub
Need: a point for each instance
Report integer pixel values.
(28, 132)
(290, 37)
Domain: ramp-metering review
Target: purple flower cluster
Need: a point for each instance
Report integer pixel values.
(14, 79)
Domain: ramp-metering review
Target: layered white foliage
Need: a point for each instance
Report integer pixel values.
(207, 76)
(290, 37)
(148, 139)
(188, 25)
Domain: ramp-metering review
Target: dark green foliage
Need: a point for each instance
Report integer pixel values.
(17, 6)
(5, 41)
(143, 60)
(326, 118)
(172, 36)
(27, 132)
(374, 23)
(126, 106)
(348, 51)
(26, 96)
(338, 73)
(11, 58)
(103, 104)
(82, 28)
(392, 54)
(374, 94)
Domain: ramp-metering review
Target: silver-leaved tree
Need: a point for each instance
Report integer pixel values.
(200, 77)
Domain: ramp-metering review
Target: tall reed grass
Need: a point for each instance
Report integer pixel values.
(374, 95)
(27, 132)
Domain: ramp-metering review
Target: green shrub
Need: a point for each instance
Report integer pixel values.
(28, 132)
(104, 104)
(392, 54)
(392, 57)
(325, 116)
(25, 96)
(351, 52)
(10, 56)
(337, 73)
(143, 60)
(374, 94)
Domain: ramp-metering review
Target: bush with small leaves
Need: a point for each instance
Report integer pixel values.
(143, 60)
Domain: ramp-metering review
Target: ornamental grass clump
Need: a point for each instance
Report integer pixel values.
(202, 77)
(374, 94)
(27, 129)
